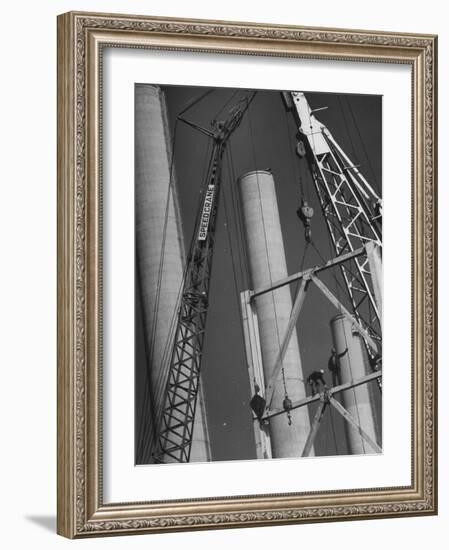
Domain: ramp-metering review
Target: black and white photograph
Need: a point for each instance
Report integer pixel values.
(221, 275)
(258, 302)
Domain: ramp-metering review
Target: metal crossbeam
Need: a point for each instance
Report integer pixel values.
(340, 306)
(286, 340)
(305, 277)
(331, 391)
(314, 428)
(296, 276)
(351, 420)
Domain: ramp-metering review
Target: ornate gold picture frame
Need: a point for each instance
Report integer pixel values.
(83, 510)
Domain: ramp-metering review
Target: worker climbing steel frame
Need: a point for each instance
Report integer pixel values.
(351, 207)
(175, 426)
(325, 398)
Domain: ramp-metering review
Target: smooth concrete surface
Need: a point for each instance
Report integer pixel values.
(159, 247)
(357, 401)
(265, 246)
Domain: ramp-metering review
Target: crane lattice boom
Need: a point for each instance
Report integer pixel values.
(351, 207)
(175, 425)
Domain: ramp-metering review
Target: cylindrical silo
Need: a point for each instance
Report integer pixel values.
(357, 401)
(267, 264)
(159, 258)
(200, 451)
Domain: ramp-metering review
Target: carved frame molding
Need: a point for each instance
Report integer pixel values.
(81, 38)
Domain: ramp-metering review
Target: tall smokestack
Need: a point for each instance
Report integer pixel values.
(267, 264)
(357, 401)
(159, 257)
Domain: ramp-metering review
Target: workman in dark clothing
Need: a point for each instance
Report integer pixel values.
(257, 403)
(375, 361)
(377, 210)
(315, 379)
(335, 367)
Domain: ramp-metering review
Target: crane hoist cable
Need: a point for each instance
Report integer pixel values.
(194, 101)
(223, 107)
(346, 345)
(145, 406)
(257, 403)
(236, 223)
(287, 403)
(293, 164)
(231, 249)
(346, 125)
(305, 214)
(304, 211)
(239, 214)
(375, 208)
(323, 260)
(264, 232)
(362, 142)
